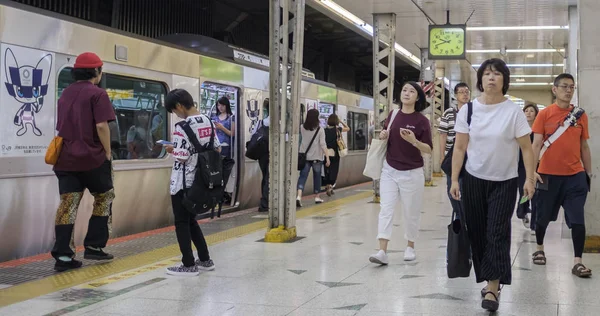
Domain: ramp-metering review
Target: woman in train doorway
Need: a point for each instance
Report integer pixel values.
(333, 132)
(523, 209)
(224, 121)
(315, 147)
(409, 136)
(489, 184)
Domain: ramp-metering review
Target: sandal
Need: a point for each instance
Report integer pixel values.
(490, 305)
(581, 271)
(539, 258)
(485, 290)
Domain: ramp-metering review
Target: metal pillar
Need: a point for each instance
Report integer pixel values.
(572, 48)
(428, 74)
(283, 109)
(384, 30)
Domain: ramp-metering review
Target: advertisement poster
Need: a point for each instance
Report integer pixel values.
(311, 104)
(27, 101)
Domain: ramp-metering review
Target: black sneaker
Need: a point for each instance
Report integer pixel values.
(93, 254)
(61, 266)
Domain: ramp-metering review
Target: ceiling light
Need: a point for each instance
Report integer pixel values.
(527, 65)
(533, 50)
(520, 80)
(530, 83)
(517, 28)
(533, 76)
(339, 10)
(530, 55)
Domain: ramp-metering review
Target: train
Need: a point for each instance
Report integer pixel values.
(138, 73)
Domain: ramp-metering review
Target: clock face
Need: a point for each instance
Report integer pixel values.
(446, 42)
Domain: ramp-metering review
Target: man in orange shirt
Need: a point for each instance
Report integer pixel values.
(563, 171)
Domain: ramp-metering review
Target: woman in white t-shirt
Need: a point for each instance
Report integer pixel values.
(497, 130)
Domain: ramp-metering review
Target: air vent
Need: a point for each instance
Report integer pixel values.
(121, 53)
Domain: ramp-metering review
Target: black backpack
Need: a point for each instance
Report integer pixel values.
(446, 165)
(208, 187)
(258, 145)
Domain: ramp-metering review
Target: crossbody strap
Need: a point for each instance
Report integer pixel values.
(313, 139)
(570, 120)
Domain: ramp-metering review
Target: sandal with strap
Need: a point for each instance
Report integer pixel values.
(490, 305)
(539, 258)
(581, 271)
(485, 290)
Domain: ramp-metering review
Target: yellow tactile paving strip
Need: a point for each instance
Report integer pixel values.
(102, 274)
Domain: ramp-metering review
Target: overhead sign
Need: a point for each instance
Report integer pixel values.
(27, 101)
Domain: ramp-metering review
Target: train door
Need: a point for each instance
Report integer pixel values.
(228, 132)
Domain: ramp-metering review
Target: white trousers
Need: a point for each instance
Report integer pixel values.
(408, 186)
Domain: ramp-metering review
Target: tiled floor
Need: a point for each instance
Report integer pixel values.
(328, 273)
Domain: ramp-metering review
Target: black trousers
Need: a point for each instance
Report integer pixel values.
(188, 231)
(71, 185)
(263, 163)
(488, 207)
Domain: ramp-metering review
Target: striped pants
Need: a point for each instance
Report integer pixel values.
(488, 207)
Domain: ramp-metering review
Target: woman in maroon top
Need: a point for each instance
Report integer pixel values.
(402, 177)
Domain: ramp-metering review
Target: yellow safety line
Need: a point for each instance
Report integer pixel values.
(159, 257)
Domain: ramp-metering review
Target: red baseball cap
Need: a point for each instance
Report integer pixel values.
(88, 60)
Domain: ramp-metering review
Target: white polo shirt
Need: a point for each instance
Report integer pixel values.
(493, 150)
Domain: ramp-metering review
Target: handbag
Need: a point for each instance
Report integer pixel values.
(446, 165)
(53, 151)
(302, 156)
(459, 250)
(376, 154)
(342, 149)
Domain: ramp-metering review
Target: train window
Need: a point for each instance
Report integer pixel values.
(359, 130)
(141, 116)
(211, 92)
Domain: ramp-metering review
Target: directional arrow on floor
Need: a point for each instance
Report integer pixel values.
(298, 272)
(438, 296)
(352, 307)
(336, 284)
(356, 243)
(410, 276)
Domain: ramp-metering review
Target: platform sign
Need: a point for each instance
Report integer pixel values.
(27, 101)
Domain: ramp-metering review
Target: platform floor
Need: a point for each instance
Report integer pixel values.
(326, 272)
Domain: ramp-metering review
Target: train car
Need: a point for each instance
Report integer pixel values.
(138, 73)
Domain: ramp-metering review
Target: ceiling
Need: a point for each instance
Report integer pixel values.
(412, 29)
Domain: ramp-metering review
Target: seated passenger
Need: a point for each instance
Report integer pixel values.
(187, 229)
(138, 144)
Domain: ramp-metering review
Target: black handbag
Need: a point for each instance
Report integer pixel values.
(458, 250)
(446, 165)
(302, 156)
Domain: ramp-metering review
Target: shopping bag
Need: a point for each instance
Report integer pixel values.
(458, 250)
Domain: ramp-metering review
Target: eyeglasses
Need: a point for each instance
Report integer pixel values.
(566, 87)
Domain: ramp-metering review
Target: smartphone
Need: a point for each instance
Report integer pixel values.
(524, 199)
(164, 142)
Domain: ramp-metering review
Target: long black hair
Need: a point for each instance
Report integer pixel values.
(224, 101)
(421, 102)
(312, 120)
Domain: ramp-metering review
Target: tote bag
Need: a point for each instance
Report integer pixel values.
(459, 249)
(377, 153)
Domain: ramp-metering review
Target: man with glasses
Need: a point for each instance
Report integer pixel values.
(447, 134)
(564, 169)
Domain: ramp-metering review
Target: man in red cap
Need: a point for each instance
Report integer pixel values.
(84, 111)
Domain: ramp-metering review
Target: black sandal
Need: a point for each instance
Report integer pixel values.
(490, 305)
(539, 258)
(485, 290)
(581, 271)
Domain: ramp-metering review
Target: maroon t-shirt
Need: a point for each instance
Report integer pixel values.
(402, 155)
(81, 106)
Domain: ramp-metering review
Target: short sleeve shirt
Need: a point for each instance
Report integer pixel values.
(563, 157)
(81, 106)
(447, 123)
(402, 155)
(493, 149)
(185, 153)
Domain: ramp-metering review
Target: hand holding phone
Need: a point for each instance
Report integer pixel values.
(164, 142)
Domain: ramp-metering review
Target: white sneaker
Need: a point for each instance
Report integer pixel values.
(380, 258)
(318, 200)
(409, 254)
(532, 232)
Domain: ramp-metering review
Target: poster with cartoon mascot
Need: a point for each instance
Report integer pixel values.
(27, 101)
